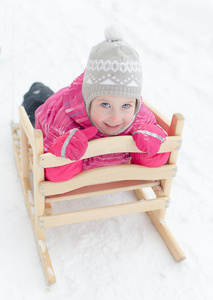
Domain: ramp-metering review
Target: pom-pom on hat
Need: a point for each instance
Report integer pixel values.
(114, 32)
(113, 68)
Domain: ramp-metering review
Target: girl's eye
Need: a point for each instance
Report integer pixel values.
(126, 105)
(105, 104)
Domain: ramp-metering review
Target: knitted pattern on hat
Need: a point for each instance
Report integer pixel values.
(113, 68)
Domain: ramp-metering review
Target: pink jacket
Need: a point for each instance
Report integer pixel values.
(64, 111)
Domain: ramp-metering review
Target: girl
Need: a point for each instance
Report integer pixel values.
(103, 101)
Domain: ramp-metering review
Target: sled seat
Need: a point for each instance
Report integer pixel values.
(40, 193)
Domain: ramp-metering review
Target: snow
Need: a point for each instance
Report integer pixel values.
(43, 245)
(122, 257)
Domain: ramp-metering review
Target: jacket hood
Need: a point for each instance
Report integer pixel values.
(74, 105)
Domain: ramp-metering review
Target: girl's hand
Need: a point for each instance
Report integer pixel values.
(73, 144)
(149, 138)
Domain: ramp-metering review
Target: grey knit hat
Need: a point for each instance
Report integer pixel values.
(113, 68)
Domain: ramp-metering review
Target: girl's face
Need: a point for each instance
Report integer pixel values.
(111, 114)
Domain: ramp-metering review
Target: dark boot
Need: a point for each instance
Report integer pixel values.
(36, 96)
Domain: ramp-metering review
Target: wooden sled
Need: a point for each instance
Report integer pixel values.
(40, 193)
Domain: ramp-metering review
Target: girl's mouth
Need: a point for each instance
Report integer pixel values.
(112, 126)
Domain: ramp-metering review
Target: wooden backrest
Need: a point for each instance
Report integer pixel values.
(101, 147)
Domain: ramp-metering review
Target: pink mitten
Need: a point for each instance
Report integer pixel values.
(73, 144)
(149, 138)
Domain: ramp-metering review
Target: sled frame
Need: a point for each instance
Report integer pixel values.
(40, 193)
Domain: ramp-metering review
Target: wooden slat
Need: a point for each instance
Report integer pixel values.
(162, 120)
(168, 237)
(38, 176)
(97, 189)
(106, 146)
(30, 157)
(102, 212)
(46, 262)
(108, 174)
(14, 127)
(24, 153)
(27, 126)
(176, 129)
(164, 231)
(16, 146)
(41, 244)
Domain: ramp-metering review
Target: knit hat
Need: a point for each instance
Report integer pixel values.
(113, 68)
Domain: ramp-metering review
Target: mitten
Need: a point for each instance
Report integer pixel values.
(73, 144)
(149, 138)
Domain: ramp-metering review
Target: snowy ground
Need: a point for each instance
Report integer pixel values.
(123, 257)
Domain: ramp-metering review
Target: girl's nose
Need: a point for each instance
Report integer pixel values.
(114, 116)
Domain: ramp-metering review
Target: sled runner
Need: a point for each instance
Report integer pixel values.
(40, 193)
